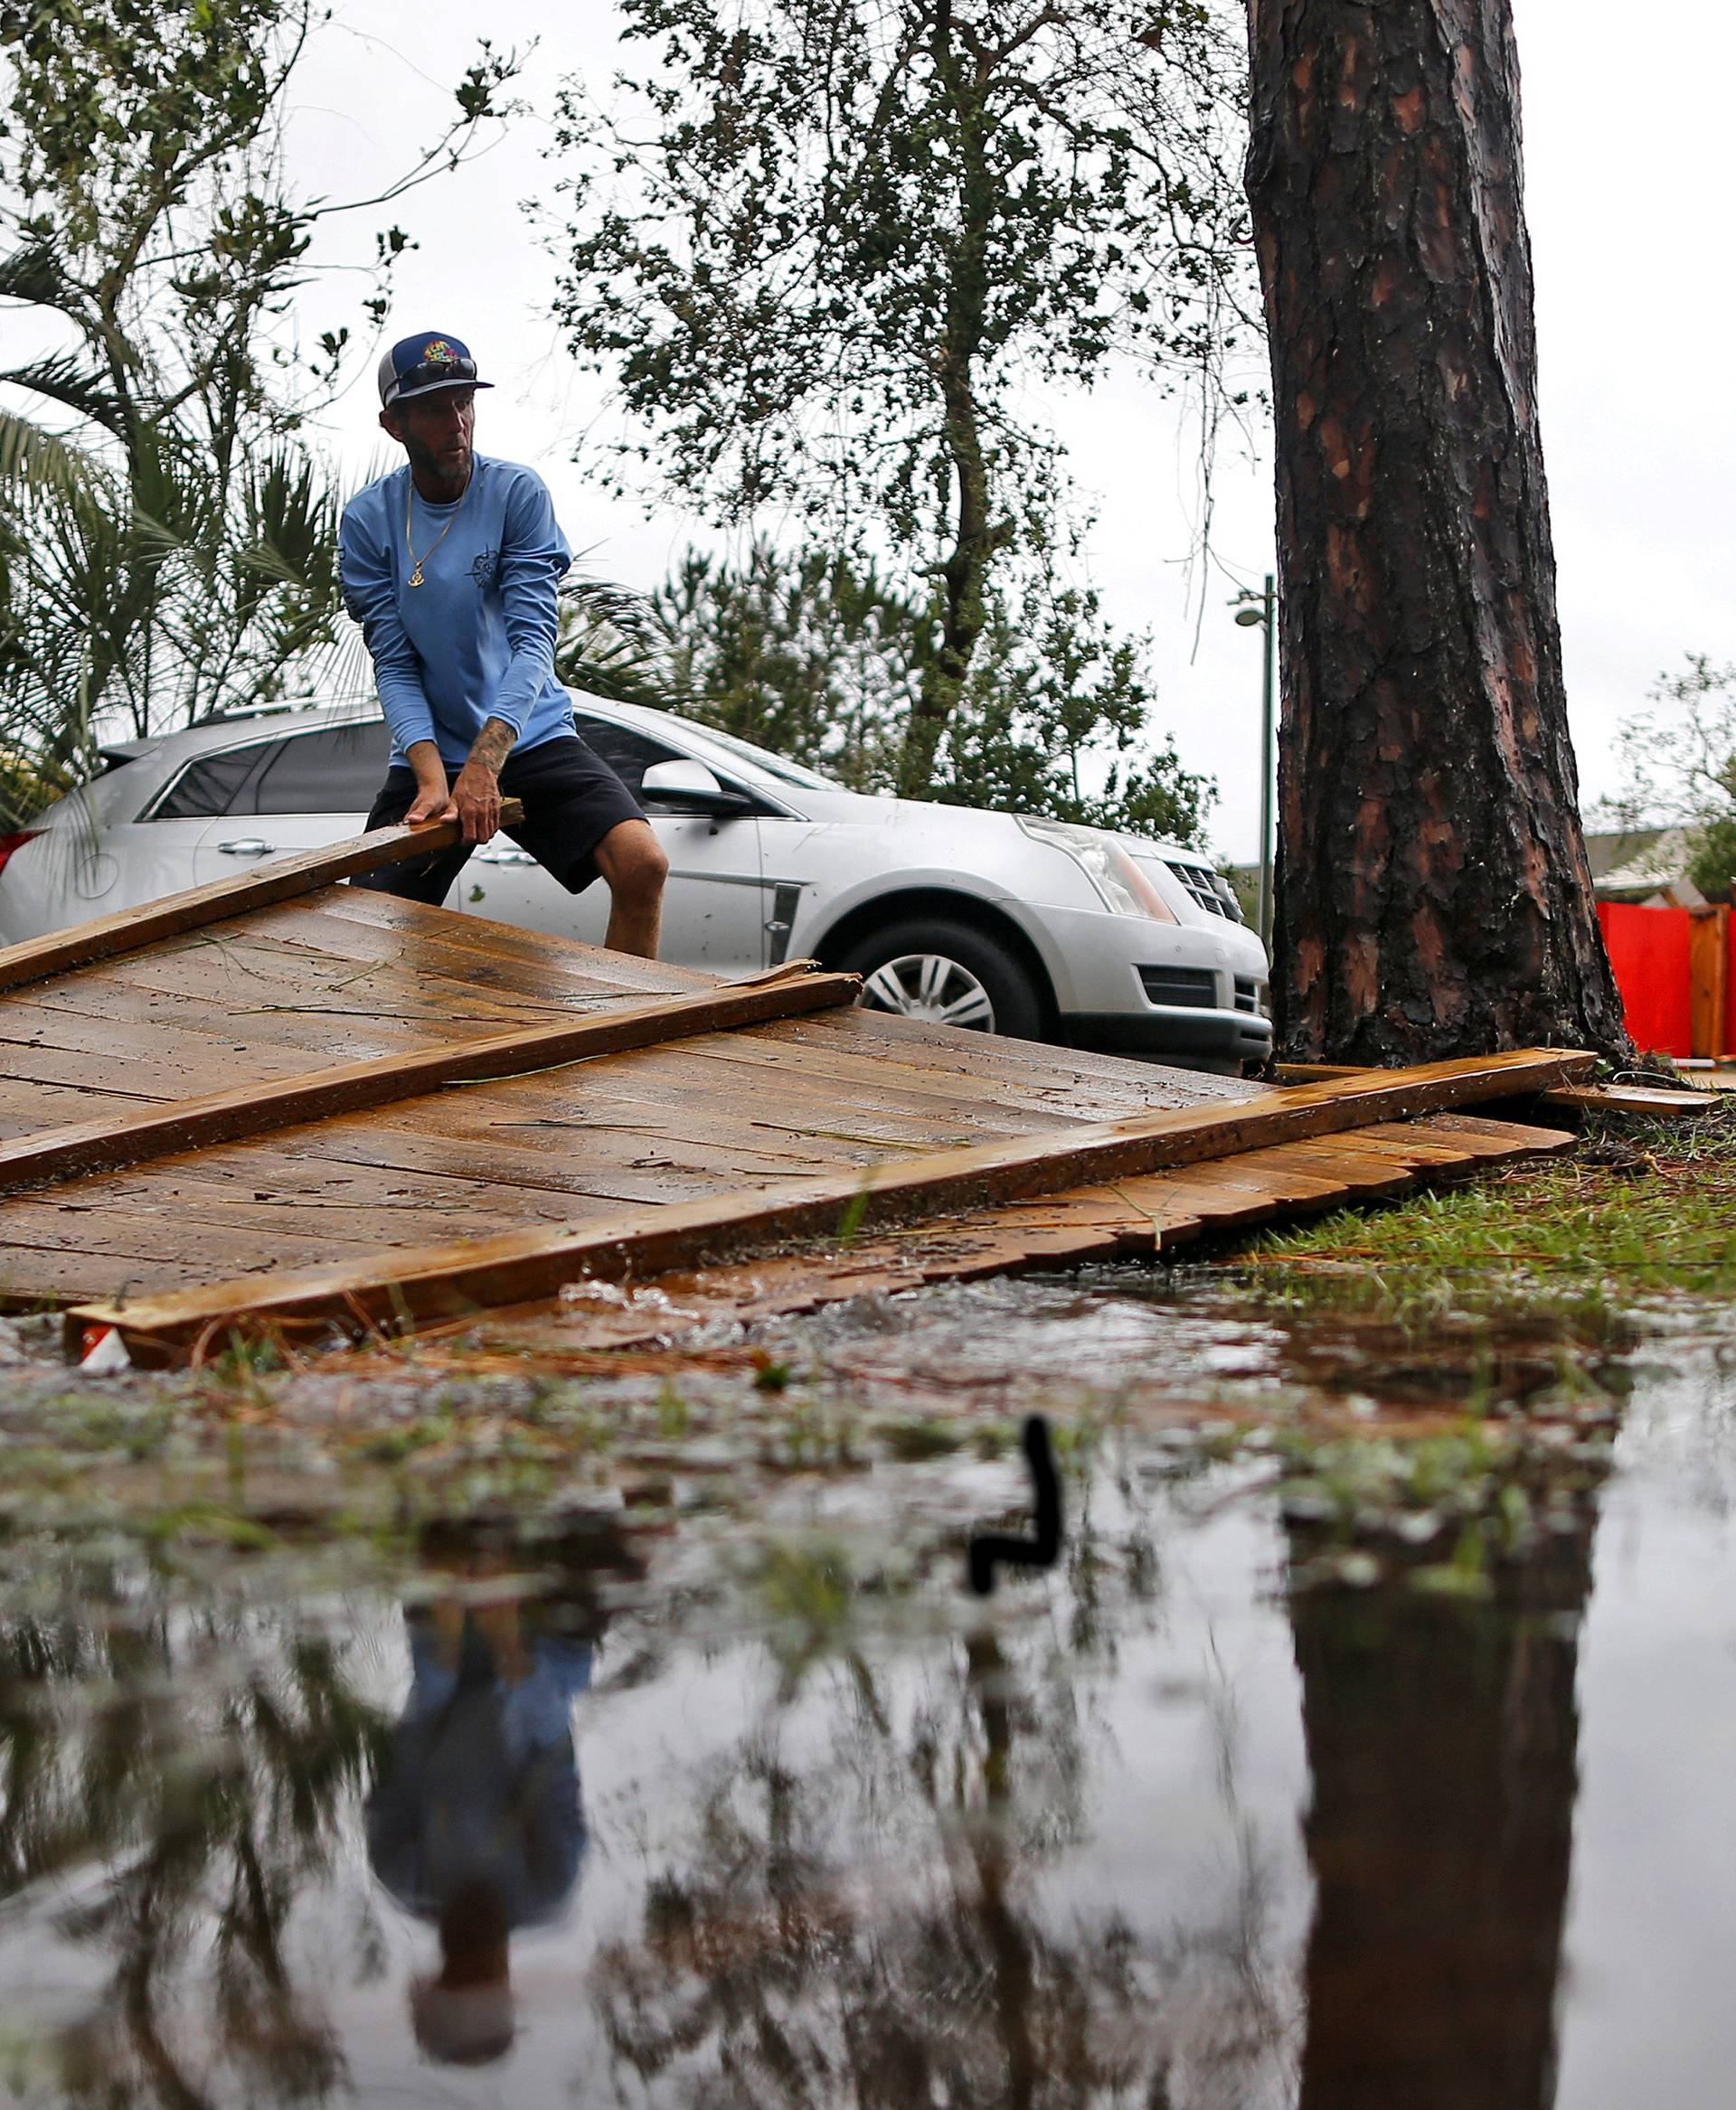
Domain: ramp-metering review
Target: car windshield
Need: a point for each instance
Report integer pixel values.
(779, 765)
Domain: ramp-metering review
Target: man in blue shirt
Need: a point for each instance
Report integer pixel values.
(451, 565)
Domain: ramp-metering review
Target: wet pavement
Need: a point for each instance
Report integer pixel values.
(1324, 1768)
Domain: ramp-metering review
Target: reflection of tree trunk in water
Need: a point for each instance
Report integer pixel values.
(1005, 1942)
(1441, 1737)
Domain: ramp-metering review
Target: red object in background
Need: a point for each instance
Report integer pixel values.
(8, 844)
(1648, 949)
(1731, 990)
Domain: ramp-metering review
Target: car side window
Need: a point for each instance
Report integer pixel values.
(628, 752)
(214, 785)
(337, 770)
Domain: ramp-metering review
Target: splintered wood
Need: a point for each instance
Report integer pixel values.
(287, 1105)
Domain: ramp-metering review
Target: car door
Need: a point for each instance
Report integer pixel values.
(714, 907)
(277, 797)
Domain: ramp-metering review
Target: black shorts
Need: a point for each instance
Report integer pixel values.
(571, 800)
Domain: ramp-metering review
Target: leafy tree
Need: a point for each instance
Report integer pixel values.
(148, 234)
(809, 654)
(823, 659)
(1681, 768)
(830, 248)
(1050, 693)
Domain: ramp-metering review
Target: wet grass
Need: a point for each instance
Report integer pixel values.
(1592, 1244)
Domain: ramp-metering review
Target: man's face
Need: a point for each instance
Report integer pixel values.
(435, 431)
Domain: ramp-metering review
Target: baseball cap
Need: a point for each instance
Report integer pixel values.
(417, 366)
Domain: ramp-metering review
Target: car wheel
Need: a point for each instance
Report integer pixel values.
(947, 975)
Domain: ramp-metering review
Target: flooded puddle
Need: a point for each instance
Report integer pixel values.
(1312, 1774)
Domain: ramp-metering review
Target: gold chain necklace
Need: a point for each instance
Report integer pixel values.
(417, 562)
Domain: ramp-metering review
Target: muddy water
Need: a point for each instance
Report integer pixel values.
(1265, 1795)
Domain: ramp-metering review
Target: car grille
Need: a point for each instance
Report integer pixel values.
(1248, 996)
(1191, 986)
(1215, 895)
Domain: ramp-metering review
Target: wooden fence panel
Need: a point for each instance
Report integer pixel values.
(1708, 980)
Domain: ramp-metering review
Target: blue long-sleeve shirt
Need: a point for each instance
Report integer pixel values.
(475, 640)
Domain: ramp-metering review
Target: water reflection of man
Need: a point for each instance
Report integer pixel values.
(475, 1822)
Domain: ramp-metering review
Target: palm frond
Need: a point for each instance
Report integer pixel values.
(34, 275)
(33, 457)
(65, 379)
(612, 644)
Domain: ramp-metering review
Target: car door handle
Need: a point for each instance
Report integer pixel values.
(248, 846)
(504, 853)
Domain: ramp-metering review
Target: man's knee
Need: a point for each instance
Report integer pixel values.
(632, 860)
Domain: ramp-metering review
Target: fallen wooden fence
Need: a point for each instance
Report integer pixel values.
(410, 1288)
(302, 1091)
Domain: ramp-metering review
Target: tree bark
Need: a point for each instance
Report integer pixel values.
(1433, 897)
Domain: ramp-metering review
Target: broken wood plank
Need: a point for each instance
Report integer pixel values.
(130, 1136)
(446, 1281)
(1582, 1099)
(1496, 1138)
(130, 929)
(1624, 1098)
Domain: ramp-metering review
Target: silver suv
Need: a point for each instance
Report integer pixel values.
(1011, 924)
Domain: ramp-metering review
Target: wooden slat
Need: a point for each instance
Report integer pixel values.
(1496, 1138)
(130, 929)
(308, 935)
(415, 924)
(228, 981)
(979, 1056)
(446, 1281)
(793, 1103)
(851, 1072)
(1624, 1098)
(128, 1137)
(1567, 1098)
(1127, 1219)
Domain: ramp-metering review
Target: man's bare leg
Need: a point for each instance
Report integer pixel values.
(634, 868)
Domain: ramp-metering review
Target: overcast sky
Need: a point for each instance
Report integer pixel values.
(1627, 190)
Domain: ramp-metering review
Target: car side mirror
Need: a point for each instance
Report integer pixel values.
(684, 787)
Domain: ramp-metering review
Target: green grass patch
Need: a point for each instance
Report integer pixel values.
(1637, 1216)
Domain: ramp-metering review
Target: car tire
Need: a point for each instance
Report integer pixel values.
(947, 974)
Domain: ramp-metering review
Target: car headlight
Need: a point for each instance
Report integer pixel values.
(1119, 880)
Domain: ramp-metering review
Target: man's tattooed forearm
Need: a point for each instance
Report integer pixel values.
(493, 744)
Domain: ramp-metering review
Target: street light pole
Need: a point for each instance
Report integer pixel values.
(1261, 608)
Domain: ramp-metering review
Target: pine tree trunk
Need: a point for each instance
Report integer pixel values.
(1433, 897)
